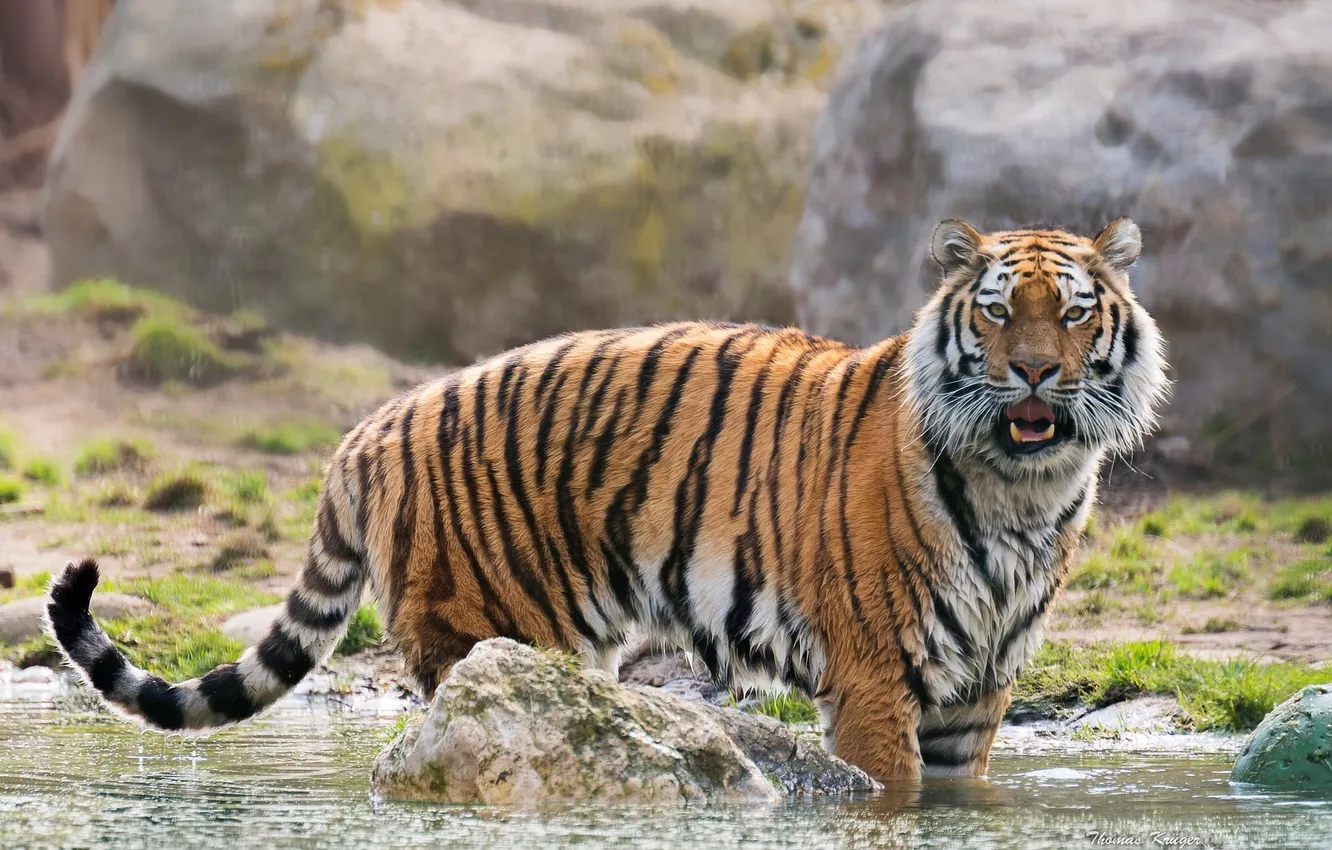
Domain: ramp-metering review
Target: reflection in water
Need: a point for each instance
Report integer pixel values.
(300, 778)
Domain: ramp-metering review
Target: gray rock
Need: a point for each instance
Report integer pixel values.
(22, 620)
(447, 178)
(511, 724)
(1150, 714)
(1292, 748)
(1207, 123)
(249, 627)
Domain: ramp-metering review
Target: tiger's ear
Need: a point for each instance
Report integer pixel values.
(954, 245)
(1119, 244)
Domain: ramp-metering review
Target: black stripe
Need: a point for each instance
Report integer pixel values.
(447, 435)
(751, 422)
(1130, 341)
(329, 539)
(601, 451)
(594, 403)
(306, 614)
(106, 670)
(941, 335)
(506, 380)
(954, 731)
(479, 417)
(519, 567)
(542, 448)
(284, 657)
(953, 490)
(548, 370)
(442, 584)
(618, 547)
(160, 703)
(513, 464)
(692, 491)
(947, 758)
(314, 578)
(225, 691)
(404, 526)
(649, 364)
(774, 454)
(472, 488)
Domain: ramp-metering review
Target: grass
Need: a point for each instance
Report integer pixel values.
(8, 449)
(169, 349)
(1214, 626)
(1211, 575)
(11, 489)
(239, 547)
(103, 456)
(1303, 580)
(398, 726)
(32, 584)
(247, 486)
(1125, 561)
(364, 630)
(181, 490)
(1231, 695)
(107, 299)
(291, 438)
(42, 471)
(788, 708)
(179, 640)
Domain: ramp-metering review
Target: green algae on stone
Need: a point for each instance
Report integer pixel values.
(1292, 748)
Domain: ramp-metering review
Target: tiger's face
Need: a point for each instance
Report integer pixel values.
(1034, 353)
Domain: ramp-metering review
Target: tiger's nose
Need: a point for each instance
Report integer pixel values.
(1034, 371)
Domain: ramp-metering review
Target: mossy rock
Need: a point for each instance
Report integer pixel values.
(1292, 748)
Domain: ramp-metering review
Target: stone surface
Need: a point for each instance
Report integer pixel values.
(1292, 748)
(1150, 714)
(1209, 124)
(511, 724)
(672, 671)
(22, 620)
(249, 627)
(447, 178)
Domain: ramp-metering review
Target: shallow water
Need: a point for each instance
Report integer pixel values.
(300, 778)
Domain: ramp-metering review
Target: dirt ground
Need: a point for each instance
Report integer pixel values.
(63, 383)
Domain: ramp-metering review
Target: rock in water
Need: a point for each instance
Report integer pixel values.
(1206, 122)
(512, 724)
(1292, 748)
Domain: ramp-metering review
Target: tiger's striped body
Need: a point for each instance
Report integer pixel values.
(790, 508)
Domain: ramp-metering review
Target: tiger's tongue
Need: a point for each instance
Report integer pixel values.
(1024, 416)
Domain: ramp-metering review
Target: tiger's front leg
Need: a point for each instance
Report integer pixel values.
(955, 740)
(870, 721)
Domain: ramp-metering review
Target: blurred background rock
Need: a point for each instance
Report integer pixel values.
(443, 179)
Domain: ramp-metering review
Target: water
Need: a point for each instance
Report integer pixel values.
(300, 778)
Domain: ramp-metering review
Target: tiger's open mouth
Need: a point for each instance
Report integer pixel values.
(1030, 426)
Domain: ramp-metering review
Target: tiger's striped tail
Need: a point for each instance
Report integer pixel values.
(312, 621)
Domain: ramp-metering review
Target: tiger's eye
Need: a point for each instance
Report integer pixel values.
(998, 312)
(1075, 314)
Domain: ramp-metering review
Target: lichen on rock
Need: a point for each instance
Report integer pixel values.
(1292, 748)
(516, 725)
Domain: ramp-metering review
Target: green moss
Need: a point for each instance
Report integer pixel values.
(364, 630)
(42, 471)
(292, 438)
(104, 456)
(11, 489)
(182, 490)
(171, 350)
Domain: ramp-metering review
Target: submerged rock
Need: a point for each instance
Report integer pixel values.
(1292, 747)
(512, 724)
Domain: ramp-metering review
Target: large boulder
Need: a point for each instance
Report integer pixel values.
(1292, 748)
(1209, 123)
(447, 178)
(511, 724)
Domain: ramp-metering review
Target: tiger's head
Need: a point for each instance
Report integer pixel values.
(1033, 353)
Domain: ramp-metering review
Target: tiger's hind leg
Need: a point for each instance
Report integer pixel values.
(955, 740)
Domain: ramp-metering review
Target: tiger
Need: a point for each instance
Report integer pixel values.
(879, 528)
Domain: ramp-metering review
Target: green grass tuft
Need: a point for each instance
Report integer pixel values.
(195, 595)
(1302, 579)
(247, 486)
(1227, 695)
(291, 438)
(169, 649)
(238, 547)
(176, 491)
(170, 350)
(42, 471)
(11, 489)
(100, 457)
(8, 449)
(1211, 575)
(788, 708)
(364, 630)
(106, 299)
(1315, 529)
